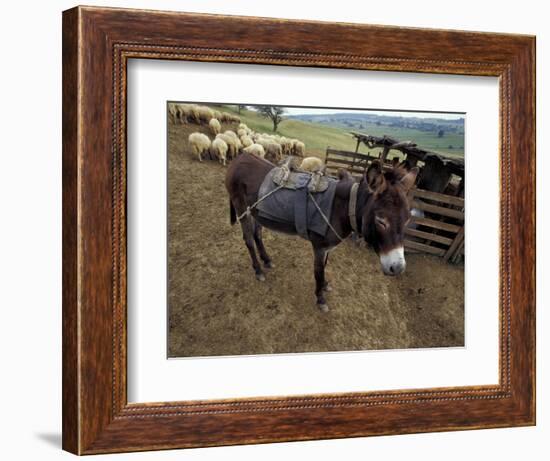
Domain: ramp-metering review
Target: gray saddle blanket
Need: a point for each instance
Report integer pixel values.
(293, 205)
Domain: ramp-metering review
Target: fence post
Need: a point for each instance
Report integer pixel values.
(384, 154)
(456, 244)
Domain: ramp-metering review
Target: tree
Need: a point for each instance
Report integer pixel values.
(240, 107)
(275, 113)
(440, 133)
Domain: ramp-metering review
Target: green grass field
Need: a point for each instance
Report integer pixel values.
(317, 137)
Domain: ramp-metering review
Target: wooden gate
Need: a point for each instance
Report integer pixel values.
(441, 231)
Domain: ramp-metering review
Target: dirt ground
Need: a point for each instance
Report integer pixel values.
(216, 306)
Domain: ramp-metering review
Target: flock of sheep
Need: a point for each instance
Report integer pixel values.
(227, 145)
(193, 113)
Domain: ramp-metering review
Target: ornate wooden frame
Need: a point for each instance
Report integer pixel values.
(97, 43)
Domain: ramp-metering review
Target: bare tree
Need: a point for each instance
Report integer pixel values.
(275, 113)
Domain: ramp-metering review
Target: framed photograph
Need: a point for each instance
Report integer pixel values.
(327, 234)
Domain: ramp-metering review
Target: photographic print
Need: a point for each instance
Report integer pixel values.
(277, 236)
(313, 229)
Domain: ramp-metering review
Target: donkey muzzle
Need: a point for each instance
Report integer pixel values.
(393, 262)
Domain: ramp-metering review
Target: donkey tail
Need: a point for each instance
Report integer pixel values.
(232, 213)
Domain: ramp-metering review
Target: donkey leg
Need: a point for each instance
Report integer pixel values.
(319, 255)
(248, 237)
(326, 285)
(260, 245)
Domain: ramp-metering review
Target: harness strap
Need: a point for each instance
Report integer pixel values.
(284, 179)
(300, 211)
(255, 204)
(324, 217)
(353, 207)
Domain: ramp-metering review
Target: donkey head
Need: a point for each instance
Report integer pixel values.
(387, 213)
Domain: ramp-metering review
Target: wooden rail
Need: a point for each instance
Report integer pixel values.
(433, 223)
(436, 209)
(355, 162)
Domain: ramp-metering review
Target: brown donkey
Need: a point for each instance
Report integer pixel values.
(381, 214)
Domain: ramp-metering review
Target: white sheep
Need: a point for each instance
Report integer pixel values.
(183, 113)
(205, 114)
(219, 150)
(172, 113)
(192, 113)
(227, 118)
(241, 132)
(215, 126)
(200, 143)
(255, 149)
(231, 133)
(299, 148)
(273, 152)
(312, 164)
(246, 141)
(233, 144)
(173, 110)
(179, 114)
(263, 140)
(286, 144)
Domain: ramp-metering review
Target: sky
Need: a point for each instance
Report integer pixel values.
(310, 111)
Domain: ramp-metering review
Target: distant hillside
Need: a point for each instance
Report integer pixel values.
(333, 130)
(436, 134)
(356, 120)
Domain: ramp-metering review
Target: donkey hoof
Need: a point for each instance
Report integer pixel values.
(260, 277)
(269, 265)
(323, 307)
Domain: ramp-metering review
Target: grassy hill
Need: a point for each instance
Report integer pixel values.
(318, 137)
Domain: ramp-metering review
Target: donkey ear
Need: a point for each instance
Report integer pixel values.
(374, 175)
(410, 178)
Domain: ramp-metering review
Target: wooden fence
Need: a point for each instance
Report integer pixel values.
(354, 162)
(440, 232)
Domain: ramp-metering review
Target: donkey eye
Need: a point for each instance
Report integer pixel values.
(381, 222)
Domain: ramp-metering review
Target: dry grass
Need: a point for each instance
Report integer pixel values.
(218, 308)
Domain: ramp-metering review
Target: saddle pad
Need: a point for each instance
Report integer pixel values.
(297, 180)
(294, 207)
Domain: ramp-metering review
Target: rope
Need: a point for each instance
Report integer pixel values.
(324, 217)
(257, 202)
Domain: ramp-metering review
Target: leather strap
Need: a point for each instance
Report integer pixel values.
(353, 207)
(300, 211)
